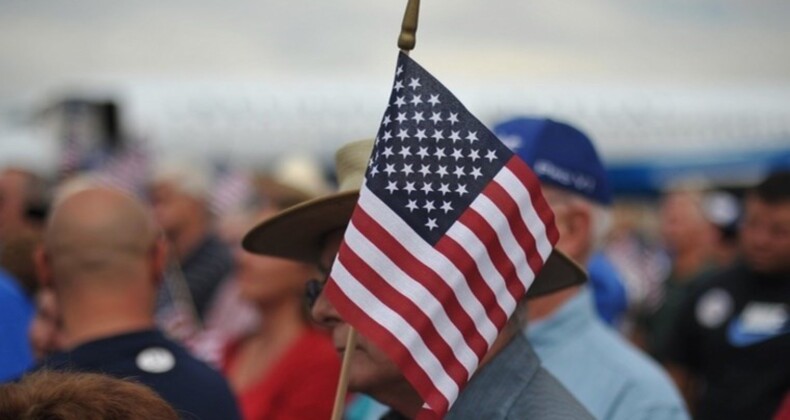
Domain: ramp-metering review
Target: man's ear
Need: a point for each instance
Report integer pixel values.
(43, 266)
(578, 235)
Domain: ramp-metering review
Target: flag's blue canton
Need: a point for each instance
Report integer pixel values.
(432, 157)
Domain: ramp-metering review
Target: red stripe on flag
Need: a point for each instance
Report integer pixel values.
(417, 270)
(409, 310)
(385, 341)
(464, 262)
(518, 227)
(532, 184)
(488, 236)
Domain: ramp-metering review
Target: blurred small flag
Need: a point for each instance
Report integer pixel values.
(449, 232)
(232, 189)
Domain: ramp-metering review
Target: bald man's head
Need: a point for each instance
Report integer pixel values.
(99, 234)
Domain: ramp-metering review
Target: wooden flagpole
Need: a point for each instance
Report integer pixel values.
(406, 41)
(342, 383)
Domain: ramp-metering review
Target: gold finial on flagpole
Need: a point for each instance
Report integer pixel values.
(408, 31)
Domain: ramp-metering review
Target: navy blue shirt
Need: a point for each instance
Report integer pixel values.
(734, 333)
(194, 389)
(204, 269)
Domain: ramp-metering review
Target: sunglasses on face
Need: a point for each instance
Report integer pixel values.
(313, 290)
(314, 287)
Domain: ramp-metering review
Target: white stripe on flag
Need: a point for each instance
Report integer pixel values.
(516, 189)
(499, 223)
(414, 291)
(433, 259)
(393, 322)
(477, 250)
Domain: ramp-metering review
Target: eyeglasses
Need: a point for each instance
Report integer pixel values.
(314, 287)
(313, 290)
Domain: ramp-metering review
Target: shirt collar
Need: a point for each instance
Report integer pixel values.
(570, 318)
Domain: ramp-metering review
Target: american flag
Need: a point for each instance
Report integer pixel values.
(449, 232)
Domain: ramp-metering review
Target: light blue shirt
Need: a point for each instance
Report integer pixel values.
(363, 407)
(609, 376)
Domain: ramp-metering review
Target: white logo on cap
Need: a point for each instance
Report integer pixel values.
(714, 308)
(512, 141)
(155, 360)
(576, 180)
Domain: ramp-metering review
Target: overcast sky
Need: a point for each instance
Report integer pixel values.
(46, 44)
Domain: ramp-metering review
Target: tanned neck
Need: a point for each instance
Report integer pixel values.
(689, 263)
(93, 316)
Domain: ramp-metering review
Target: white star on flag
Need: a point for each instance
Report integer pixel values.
(418, 265)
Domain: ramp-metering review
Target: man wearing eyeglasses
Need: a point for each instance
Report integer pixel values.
(510, 383)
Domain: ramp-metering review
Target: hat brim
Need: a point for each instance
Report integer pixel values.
(298, 233)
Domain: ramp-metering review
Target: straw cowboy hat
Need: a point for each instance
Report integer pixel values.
(298, 232)
(293, 179)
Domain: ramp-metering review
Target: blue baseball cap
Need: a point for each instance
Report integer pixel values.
(559, 154)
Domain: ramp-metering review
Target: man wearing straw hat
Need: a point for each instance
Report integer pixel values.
(511, 382)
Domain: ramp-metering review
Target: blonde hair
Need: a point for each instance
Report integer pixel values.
(187, 178)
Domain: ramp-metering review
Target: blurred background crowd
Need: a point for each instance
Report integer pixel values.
(219, 115)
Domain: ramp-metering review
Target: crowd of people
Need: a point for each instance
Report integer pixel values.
(150, 301)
